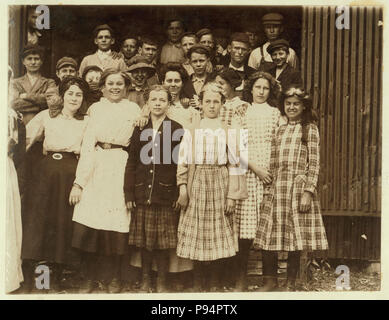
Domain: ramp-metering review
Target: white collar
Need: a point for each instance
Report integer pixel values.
(235, 68)
(103, 53)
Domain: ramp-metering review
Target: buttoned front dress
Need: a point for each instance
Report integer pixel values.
(261, 121)
(295, 167)
(101, 218)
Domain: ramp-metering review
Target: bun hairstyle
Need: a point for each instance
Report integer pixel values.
(308, 115)
(64, 86)
(275, 88)
(157, 87)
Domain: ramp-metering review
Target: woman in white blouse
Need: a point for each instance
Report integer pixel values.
(47, 224)
(101, 219)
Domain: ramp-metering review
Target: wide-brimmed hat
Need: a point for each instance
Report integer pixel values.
(141, 63)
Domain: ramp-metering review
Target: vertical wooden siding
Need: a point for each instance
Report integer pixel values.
(342, 69)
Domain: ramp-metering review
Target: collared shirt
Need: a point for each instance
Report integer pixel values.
(103, 55)
(32, 79)
(198, 83)
(241, 74)
(62, 133)
(235, 68)
(103, 60)
(172, 52)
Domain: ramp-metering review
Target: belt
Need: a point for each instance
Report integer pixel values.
(105, 145)
(60, 155)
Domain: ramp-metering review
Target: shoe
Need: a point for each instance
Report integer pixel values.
(88, 286)
(269, 284)
(241, 283)
(146, 284)
(161, 284)
(115, 286)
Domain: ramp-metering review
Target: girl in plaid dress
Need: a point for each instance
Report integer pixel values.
(291, 219)
(261, 121)
(205, 231)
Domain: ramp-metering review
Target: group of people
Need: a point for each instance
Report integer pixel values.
(112, 172)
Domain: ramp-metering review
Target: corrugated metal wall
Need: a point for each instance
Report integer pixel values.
(342, 70)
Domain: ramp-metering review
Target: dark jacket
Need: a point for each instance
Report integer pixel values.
(287, 77)
(188, 90)
(155, 182)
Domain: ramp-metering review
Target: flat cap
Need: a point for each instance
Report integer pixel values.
(277, 44)
(32, 49)
(203, 32)
(141, 63)
(66, 61)
(199, 48)
(272, 18)
(241, 37)
(102, 27)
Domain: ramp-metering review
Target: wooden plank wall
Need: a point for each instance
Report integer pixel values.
(342, 69)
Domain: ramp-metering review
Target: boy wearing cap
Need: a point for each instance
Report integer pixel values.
(199, 56)
(147, 52)
(66, 66)
(103, 57)
(139, 72)
(280, 69)
(27, 93)
(239, 50)
(172, 50)
(273, 28)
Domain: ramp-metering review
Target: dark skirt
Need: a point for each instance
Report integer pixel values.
(101, 242)
(47, 223)
(154, 227)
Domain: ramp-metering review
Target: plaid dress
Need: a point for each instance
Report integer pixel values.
(153, 227)
(261, 121)
(205, 232)
(231, 109)
(295, 168)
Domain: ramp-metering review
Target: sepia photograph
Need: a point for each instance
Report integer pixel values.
(193, 149)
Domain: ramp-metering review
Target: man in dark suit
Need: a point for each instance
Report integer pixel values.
(280, 68)
(238, 49)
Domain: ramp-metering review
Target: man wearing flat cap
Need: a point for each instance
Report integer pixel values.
(239, 49)
(139, 73)
(28, 96)
(273, 28)
(280, 69)
(27, 93)
(103, 57)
